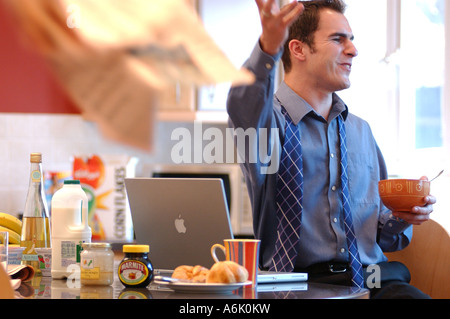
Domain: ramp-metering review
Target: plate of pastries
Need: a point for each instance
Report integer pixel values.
(222, 277)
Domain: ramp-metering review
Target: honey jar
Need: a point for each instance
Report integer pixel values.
(97, 264)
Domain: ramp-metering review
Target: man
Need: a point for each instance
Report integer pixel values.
(317, 232)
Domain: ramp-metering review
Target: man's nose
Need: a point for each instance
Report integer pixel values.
(351, 49)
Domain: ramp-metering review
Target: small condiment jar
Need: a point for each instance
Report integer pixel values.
(97, 264)
(136, 269)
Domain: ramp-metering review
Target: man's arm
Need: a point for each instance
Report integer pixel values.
(246, 104)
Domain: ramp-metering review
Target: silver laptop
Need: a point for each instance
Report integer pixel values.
(180, 219)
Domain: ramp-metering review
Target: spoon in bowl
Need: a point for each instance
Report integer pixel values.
(440, 173)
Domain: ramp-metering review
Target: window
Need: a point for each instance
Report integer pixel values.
(398, 80)
(422, 71)
(235, 27)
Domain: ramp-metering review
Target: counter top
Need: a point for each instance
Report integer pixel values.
(48, 288)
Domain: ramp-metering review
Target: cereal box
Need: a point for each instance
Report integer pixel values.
(102, 177)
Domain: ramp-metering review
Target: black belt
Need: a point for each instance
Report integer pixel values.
(328, 267)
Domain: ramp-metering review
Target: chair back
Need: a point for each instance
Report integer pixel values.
(428, 259)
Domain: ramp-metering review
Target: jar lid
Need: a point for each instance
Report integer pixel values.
(95, 245)
(136, 248)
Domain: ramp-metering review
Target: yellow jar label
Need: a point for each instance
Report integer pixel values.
(133, 272)
(90, 273)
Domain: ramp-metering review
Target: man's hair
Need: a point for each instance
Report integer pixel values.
(306, 25)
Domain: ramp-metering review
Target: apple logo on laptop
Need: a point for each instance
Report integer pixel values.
(179, 225)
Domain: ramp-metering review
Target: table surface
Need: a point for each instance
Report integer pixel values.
(48, 288)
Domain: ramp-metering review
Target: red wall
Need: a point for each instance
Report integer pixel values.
(26, 83)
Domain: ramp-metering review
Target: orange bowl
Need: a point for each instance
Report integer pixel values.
(403, 194)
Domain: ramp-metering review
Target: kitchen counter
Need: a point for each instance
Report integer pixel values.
(47, 288)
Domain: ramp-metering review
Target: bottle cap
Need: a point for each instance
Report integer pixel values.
(136, 248)
(36, 158)
(71, 182)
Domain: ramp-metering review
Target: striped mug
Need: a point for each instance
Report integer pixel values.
(245, 252)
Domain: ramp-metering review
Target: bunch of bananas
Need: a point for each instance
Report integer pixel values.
(12, 225)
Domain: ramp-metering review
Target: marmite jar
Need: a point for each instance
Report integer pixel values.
(135, 270)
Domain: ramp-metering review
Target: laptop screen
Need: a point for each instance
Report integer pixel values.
(179, 218)
(224, 177)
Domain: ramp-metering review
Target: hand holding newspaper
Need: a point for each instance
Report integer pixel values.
(114, 56)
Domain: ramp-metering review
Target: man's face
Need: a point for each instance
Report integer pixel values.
(330, 62)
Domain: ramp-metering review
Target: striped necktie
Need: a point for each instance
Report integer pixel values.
(355, 263)
(289, 203)
(289, 199)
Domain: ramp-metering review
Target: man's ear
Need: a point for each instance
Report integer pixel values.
(297, 50)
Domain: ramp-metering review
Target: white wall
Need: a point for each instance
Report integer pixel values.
(58, 138)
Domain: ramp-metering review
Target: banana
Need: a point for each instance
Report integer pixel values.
(14, 238)
(11, 222)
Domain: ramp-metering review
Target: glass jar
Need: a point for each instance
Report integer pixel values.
(97, 264)
(136, 269)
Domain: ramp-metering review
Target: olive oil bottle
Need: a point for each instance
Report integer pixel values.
(36, 222)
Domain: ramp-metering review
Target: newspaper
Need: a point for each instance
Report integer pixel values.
(114, 57)
(21, 272)
(18, 274)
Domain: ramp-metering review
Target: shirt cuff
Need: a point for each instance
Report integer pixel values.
(259, 58)
(395, 225)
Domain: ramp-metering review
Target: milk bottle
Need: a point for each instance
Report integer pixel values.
(70, 229)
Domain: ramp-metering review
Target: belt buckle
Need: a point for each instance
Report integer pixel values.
(336, 268)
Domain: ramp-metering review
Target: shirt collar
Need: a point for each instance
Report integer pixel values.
(298, 108)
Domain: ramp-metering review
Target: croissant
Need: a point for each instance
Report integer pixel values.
(227, 272)
(193, 273)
